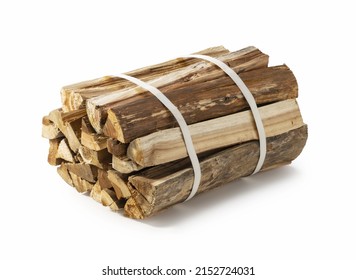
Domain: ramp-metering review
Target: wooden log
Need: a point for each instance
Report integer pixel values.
(125, 165)
(145, 114)
(101, 159)
(64, 152)
(53, 158)
(168, 145)
(119, 183)
(85, 171)
(133, 210)
(116, 148)
(49, 129)
(95, 192)
(198, 73)
(90, 139)
(102, 183)
(63, 172)
(69, 124)
(103, 179)
(74, 96)
(108, 198)
(161, 187)
(80, 184)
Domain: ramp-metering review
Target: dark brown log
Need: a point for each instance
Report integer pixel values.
(116, 148)
(144, 114)
(163, 186)
(199, 73)
(74, 96)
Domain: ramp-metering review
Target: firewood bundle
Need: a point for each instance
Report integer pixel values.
(119, 143)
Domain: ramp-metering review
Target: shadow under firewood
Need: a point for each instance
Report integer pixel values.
(241, 189)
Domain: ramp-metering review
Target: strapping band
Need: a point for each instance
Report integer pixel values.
(182, 124)
(250, 100)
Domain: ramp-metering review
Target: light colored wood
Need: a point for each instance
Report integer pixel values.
(53, 152)
(93, 141)
(64, 151)
(101, 159)
(125, 165)
(95, 192)
(49, 129)
(132, 210)
(63, 172)
(119, 183)
(74, 96)
(168, 145)
(200, 72)
(85, 171)
(80, 184)
(108, 198)
(69, 124)
(163, 186)
(90, 139)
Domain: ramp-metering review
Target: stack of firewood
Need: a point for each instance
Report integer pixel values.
(116, 140)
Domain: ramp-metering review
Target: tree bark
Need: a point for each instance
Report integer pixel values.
(168, 145)
(201, 72)
(163, 186)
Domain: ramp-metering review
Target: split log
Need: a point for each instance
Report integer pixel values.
(85, 171)
(63, 172)
(133, 210)
(80, 184)
(161, 187)
(125, 165)
(168, 145)
(101, 159)
(95, 192)
(116, 148)
(119, 183)
(101, 184)
(196, 74)
(64, 152)
(144, 114)
(69, 124)
(90, 139)
(74, 96)
(49, 129)
(53, 158)
(103, 179)
(108, 198)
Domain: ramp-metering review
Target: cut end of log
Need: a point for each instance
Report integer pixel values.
(132, 210)
(94, 116)
(134, 152)
(125, 165)
(112, 127)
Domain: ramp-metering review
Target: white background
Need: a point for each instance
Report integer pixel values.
(297, 222)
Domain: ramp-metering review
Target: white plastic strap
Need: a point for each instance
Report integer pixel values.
(250, 100)
(182, 124)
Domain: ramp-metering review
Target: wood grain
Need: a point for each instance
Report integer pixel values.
(168, 145)
(160, 187)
